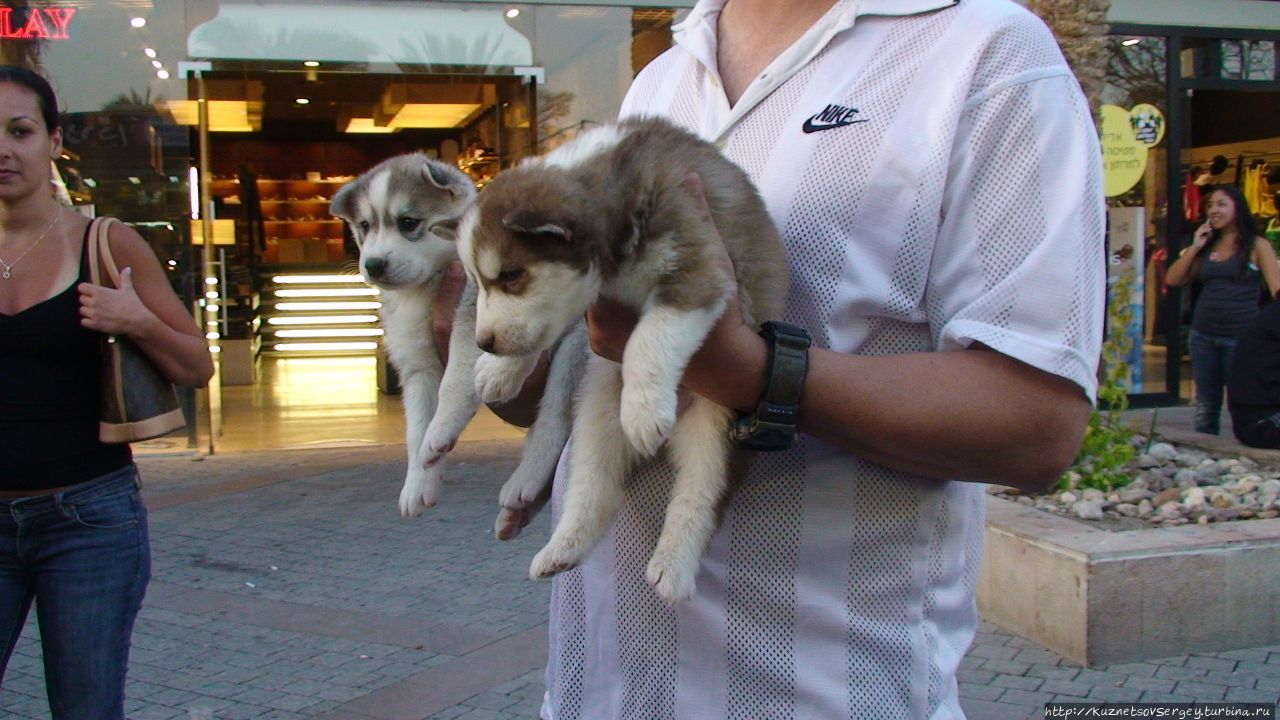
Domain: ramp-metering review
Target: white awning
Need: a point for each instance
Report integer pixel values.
(402, 33)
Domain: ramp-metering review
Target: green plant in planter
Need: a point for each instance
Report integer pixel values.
(1108, 443)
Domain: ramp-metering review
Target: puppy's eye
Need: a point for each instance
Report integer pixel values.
(364, 226)
(409, 224)
(506, 277)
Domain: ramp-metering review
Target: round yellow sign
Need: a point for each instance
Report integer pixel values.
(1124, 158)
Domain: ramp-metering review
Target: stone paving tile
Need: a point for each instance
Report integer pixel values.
(980, 692)
(1066, 687)
(1054, 672)
(1211, 663)
(1018, 682)
(301, 529)
(1147, 684)
(1200, 690)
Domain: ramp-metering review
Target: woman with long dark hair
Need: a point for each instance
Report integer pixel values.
(73, 529)
(1230, 258)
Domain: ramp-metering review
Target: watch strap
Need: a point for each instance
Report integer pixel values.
(772, 426)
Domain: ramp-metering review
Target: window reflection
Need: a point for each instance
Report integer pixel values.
(1135, 122)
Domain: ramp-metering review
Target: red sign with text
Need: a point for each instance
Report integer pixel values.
(39, 23)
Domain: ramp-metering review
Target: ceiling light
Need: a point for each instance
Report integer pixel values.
(157, 64)
(513, 13)
(322, 320)
(327, 292)
(1131, 41)
(224, 115)
(162, 74)
(303, 101)
(325, 347)
(234, 106)
(312, 63)
(439, 115)
(149, 52)
(301, 279)
(326, 306)
(330, 332)
(138, 22)
(365, 125)
(431, 105)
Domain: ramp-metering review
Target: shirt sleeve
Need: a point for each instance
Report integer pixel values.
(1019, 264)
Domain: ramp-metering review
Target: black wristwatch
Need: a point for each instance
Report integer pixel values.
(773, 424)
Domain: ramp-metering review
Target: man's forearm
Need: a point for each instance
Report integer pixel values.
(963, 415)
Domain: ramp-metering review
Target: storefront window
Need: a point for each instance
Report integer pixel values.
(1133, 127)
(122, 158)
(1228, 59)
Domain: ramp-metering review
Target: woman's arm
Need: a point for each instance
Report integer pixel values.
(1264, 256)
(1183, 269)
(146, 309)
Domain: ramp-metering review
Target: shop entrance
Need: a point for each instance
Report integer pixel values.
(300, 356)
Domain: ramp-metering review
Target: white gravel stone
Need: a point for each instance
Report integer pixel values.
(1191, 485)
(1194, 498)
(1088, 510)
(1127, 509)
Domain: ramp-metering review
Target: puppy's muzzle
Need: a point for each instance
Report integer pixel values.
(375, 266)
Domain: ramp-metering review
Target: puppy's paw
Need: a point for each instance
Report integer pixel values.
(520, 499)
(421, 491)
(563, 552)
(522, 489)
(500, 377)
(647, 419)
(510, 522)
(438, 442)
(671, 578)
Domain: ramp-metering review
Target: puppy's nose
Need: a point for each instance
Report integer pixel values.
(486, 342)
(375, 266)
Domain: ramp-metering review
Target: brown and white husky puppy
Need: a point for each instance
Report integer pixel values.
(608, 214)
(403, 213)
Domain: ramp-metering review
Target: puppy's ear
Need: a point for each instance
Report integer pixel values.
(531, 222)
(341, 204)
(446, 229)
(438, 176)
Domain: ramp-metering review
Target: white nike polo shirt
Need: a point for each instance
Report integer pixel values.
(936, 177)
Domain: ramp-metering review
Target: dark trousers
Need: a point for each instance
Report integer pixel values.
(1257, 427)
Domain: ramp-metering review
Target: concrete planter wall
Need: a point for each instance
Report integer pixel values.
(1099, 597)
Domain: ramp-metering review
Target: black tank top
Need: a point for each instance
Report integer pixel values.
(1228, 299)
(50, 384)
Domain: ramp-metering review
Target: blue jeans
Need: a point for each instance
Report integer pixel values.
(84, 556)
(1210, 363)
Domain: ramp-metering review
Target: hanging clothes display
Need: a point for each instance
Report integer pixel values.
(1191, 197)
(1251, 186)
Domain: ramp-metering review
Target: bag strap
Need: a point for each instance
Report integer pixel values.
(100, 247)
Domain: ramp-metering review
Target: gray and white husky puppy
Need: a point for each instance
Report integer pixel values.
(608, 214)
(403, 213)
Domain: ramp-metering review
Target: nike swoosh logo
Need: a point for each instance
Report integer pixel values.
(811, 127)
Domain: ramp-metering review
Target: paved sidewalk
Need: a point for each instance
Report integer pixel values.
(286, 586)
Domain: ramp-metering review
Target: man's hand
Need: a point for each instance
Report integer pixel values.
(731, 345)
(448, 293)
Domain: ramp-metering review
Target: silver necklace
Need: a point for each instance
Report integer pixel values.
(8, 267)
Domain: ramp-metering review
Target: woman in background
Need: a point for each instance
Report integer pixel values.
(73, 529)
(1230, 258)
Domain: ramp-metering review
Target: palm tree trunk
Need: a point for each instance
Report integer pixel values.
(1081, 29)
